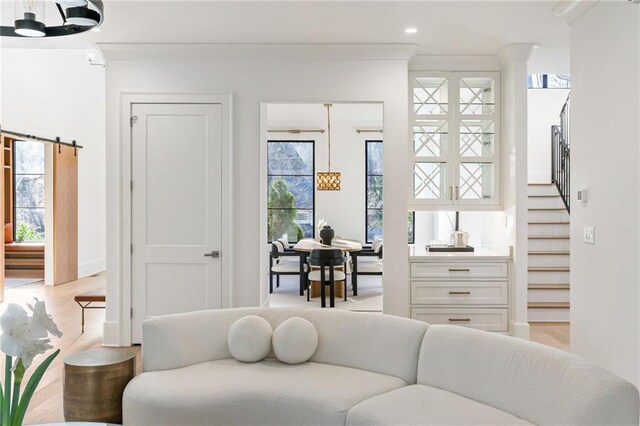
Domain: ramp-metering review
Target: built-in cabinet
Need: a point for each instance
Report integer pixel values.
(455, 148)
(470, 290)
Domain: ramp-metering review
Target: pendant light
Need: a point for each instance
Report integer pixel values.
(328, 181)
(29, 16)
(77, 16)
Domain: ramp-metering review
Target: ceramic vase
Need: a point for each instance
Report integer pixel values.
(326, 235)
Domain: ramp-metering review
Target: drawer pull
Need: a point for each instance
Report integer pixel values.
(459, 292)
(459, 320)
(459, 270)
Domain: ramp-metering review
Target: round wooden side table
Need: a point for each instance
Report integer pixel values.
(94, 382)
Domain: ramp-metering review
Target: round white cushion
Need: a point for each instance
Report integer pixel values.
(249, 338)
(295, 341)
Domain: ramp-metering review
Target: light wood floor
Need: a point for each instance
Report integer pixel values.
(554, 334)
(46, 405)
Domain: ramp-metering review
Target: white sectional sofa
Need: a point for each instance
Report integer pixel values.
(368, 369)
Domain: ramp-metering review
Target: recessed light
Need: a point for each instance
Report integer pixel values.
(411, 30)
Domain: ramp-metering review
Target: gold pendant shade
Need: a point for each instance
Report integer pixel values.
(328, 181)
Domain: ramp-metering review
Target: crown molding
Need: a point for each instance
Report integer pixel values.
(571, 10)
(204, 51)
(516, 52)
(454, 62)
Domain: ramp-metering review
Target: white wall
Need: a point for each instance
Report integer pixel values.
(256, 75)
(605, 136)
(344, 210)
(55, 92)
(543, 110)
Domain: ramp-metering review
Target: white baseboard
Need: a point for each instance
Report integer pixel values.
(89, 268)
(111, 333)
(520, 330)
(539, 177)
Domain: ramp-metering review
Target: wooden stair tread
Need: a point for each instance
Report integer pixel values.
(24, 247)
(549, 253)
(540, 184)
(549, 237)
(24, 262)
(548, 223)
(546, 208)
(549, 305)
(548, 269)
(548, 286)
(543, 196)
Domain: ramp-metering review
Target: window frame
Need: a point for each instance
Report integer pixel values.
(544, 81)
(313, 175)
(14, 185)
(366, 195)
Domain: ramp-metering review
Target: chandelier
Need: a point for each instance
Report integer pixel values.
(77, 16)
(328, 181)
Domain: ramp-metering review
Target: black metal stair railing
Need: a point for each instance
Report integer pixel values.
(561, 156)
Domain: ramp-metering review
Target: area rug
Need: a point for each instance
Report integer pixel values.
(369, 298)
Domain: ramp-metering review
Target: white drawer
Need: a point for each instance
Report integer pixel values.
(459, 293)
(489, 319)
(459, 270)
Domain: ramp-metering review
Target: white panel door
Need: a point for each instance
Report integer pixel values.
(176, 211)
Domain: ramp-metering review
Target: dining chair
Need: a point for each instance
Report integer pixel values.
(368, 261)
(282, 261)
(327, 261)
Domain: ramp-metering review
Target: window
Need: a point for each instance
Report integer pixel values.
(373, 208)
(28, 191)
(291, 196)
(549, 81)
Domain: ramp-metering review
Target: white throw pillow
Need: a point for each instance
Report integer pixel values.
(295, 341)
(249, 338)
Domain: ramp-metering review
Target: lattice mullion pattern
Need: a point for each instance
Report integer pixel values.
(430, 139)
(429, 97)
(472, 139)
(475, 181)
(428, 180)
(476, 104)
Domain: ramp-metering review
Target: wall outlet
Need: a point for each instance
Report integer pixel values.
(590, 234)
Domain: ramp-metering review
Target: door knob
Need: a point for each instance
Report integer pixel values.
(214, 254)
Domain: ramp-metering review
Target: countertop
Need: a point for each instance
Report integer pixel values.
(420, 253)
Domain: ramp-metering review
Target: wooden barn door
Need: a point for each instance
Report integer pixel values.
(65, 215)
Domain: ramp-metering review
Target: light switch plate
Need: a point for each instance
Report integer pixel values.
(589, 234)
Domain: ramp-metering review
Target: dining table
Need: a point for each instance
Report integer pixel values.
(306, 245)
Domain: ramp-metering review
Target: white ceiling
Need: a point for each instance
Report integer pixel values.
(444, 27)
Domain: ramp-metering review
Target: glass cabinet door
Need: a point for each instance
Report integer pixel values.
(455, 139)
(477, 168)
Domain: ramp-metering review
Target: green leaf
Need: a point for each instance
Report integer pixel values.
(30, 389)
(1, 402)
(7, 388)
(18, 374)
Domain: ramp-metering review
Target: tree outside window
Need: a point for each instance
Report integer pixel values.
(290, 198)
(29, 191)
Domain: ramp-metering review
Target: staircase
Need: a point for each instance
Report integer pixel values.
(548, 248)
